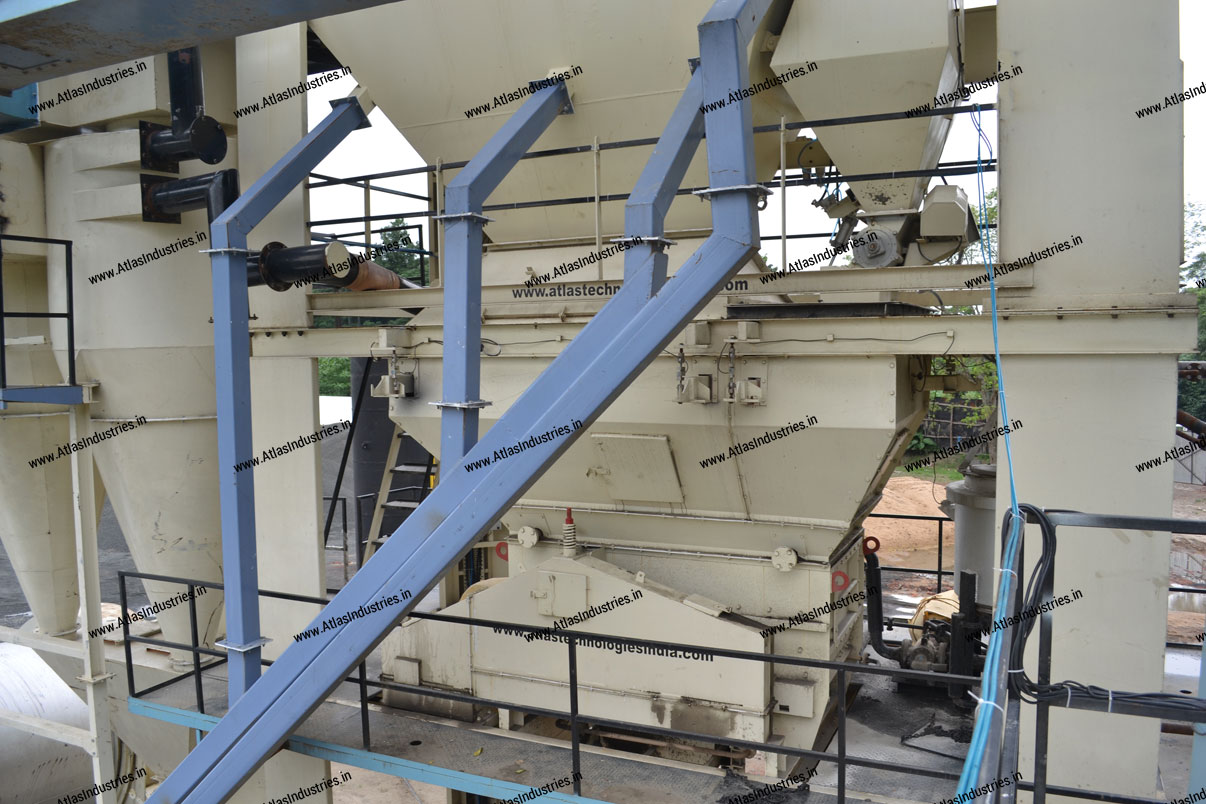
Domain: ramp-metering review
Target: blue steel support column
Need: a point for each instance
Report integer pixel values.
(723, 35)
(463, 264)
(232, 372)
(645, 212)
(1197, 768)
(232, 379)
(591, 372)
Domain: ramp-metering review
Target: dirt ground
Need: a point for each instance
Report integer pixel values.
(907, 543)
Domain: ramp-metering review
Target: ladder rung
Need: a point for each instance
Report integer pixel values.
(410, 467)
(401, 504)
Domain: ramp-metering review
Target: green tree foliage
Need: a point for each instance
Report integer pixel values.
(1191, 394)
(335, 373)
(403, 263)
(973, 254)
(334, 376)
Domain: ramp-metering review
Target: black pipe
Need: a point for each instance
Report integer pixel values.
(184, 85)
(204, 139)
(212, 191)
(961, 653)
(281, 268)
(193, 135)
(875, 609)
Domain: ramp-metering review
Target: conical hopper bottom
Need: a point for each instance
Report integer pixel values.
(37, 527)
(162, 481)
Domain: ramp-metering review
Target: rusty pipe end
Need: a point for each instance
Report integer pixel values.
(371, 276)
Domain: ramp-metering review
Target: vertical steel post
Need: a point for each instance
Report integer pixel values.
(573, 691)
(364, 717)
(645, 263)
(463, 264)
(96, 675)
(783, 193)
(1042, 716)
(3, 363)
(437, 232)
(598, 206)
(938, 591)
(232, 379)
(232, 375)
(125, 634)
(192, 624)
(368, 214)
(67, 247)
(841, 736)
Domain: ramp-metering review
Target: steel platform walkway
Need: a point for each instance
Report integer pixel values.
(445, 752)
(442, 752)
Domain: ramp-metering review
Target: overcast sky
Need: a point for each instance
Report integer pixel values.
(382, 148)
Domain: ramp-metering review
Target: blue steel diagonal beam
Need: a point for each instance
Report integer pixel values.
(645, 211)
(463, 264)
(232, 378)
(591, 372)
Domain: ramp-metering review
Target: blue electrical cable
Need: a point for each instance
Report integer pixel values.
(988, 685)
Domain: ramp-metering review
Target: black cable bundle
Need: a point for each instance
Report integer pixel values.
(1063, 692)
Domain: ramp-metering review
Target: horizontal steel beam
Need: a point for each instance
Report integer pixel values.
(44, 644)
(72, 735)
(835, 280)
(1153, 332)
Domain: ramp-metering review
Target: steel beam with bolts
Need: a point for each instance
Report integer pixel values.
(645, 212)
(578, 386)
(232, 372)
(463, 264)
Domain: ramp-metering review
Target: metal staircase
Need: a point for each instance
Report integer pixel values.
(384, 503)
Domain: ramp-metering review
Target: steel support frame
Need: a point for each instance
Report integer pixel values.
(232, 371)
(609, 353)
(645, 211)
(96, 676)
(463, 217)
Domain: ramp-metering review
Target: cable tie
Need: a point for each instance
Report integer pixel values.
(1110, 708)
(1011, 572)
(1019, 670)
(983, 701)
(1068, 703)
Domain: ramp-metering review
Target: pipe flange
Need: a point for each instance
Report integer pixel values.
(269, 280)
(784, 558)
(528, 536)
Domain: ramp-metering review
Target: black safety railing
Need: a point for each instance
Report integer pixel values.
(827, 177)
(941, 573)
(807, 177)
(347, 239)
(945, 169)
(366, 183)
(68, 315)
(1005, 759)
(326, 535)
(1002, 754)
(577, 719)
